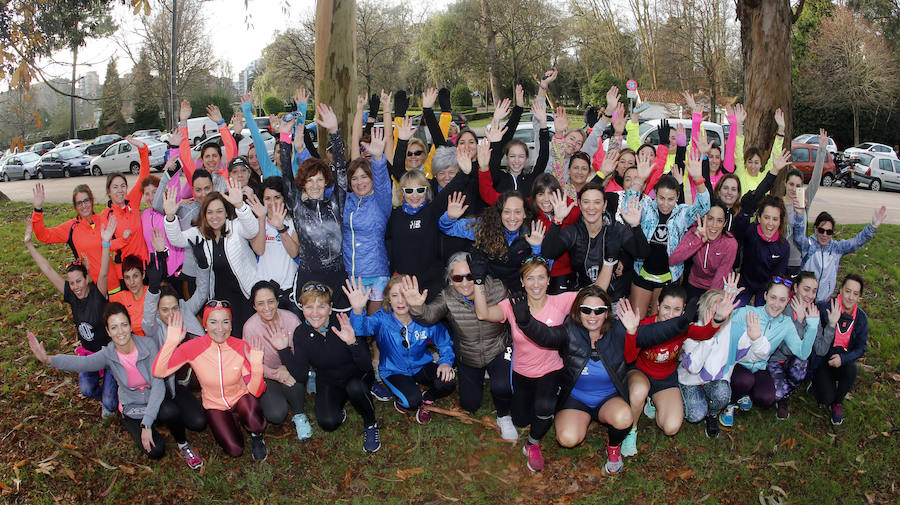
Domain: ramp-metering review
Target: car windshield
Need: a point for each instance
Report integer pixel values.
(864, 145)
(29, 157)
(68, 154)
(524, 135)
(864, 158)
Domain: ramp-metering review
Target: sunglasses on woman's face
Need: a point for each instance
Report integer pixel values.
(780, 280)
(418, 189)
(587, 309)
(460, 278)
(415, 153)
(825, 231)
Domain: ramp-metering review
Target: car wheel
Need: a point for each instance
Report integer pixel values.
(96, 171)
(133, 168)
(66, 173)
(875, 185)
(39, 174)
(5, 177)
(827, 180)
(25, 175)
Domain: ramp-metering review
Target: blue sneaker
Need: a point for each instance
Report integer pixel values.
(629, 445)
(311, 383)
(381, 393)
(304, 429)
(372, 441)
(650, 409)
(745, 403)
(726, 418)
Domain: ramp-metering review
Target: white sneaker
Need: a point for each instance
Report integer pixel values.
(507, 428)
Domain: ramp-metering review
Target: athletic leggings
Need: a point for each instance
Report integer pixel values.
(169, 415)
(831, 385)
(193, 415)
(705, 399)
(787, 375)
(330, 400)
(471, 385)
(534, 402)
(759, 385)
(226, 424)
(279, 399)
(406, 388)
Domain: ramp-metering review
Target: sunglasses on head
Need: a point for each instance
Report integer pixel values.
(418, 189)
(462, 277)
(587, 309)
(215, 304)
(404, 333)
(781, 280)
(825, 231)
(535, 258)
(315, 287)
(415, 153)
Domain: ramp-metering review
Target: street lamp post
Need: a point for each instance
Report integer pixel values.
(173, 118)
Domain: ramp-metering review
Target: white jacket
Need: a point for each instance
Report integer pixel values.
(709, 360)
(237, 248)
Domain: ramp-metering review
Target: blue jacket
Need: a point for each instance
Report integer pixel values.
(266, 166)
(365, 221)
(395, 358)
(681, 218)
(824, 260)
(776, 330)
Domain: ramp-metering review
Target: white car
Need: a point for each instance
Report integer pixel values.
(123, 157)
(879, 171)
(870, 148)
(66, 144)
(243, 145)
(525, 133)
(813, 138)
(649, 131)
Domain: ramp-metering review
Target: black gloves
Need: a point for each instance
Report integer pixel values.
(199, 253)
(478, 267)
(374, 107)
(664, 131)
(156, 271)
(401, 103)
(444, 99)
(590, 116)
(520, 309)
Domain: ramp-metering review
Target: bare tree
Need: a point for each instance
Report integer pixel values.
(599, 34)
(529, 33)
(851, 64)
(383, 39)
(648, 16)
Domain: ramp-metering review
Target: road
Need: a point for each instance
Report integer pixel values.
(845, 204)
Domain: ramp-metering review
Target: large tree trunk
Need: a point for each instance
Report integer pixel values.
(766, 56)
(336, 63)
(490, 37)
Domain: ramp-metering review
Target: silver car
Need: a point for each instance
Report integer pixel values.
(881, 171)
(20, 166)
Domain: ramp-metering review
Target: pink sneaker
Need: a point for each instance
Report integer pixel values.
(190, 457)
(614, 461)
(400, 408)
(423, 416)
(535, 458)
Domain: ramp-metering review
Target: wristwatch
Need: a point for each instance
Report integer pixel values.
(283, 230)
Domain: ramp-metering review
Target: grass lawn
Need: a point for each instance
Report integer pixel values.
(55, 449)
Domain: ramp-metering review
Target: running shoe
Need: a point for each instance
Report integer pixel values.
(727, 416)
(614, 461)
(423, 416)
(190, 457)
(258, 445)
(507, 428)
(400, 408)
(629, 445)
(304, 429)
(836, 416)
(649, 409)
(105, 412)
(782, 411)
(381, 393)
(372, 440)
(745, 403)
(712, 427)
(535, 460)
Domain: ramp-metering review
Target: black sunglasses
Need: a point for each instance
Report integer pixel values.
(781, 280)
(403, 334)
(415, 153)
(824, 231)
(460, 278)
(315, 287)
(587, 309)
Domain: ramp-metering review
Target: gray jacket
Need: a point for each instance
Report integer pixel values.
(136, 404)
(475, 342)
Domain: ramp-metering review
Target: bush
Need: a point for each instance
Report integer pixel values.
(460, 96)
(273, 105)
(220, 100)
(594, 92)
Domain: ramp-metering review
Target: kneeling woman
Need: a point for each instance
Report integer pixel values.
(342, 362)
(404, 361)
(230, 375)
(142, 397)
(593, 384)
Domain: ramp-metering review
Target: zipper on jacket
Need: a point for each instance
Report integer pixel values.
(353, 238)
(707, 256)
(222, 377)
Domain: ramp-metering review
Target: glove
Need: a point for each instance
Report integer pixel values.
(444, 99)
(590, 116)
(664, 131)
(478, 267)
(374, 107)
(520, 309)
(156, 271)
(199, 253)
(401, 103)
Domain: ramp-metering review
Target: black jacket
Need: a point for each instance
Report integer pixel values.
(335, 361)
(505, 181)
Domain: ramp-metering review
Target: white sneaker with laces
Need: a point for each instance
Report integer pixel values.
(507, 428)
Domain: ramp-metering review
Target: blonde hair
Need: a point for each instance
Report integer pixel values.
(413, 178)
(386, 301)
(708, 301)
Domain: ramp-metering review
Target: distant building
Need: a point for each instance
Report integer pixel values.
(91, 85)
(245, 75)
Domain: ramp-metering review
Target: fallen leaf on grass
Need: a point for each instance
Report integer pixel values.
(104, 464)
(45, 467)
(787, 464)
(127, 469)
(20, 464)
(5, 488)
(111, 484)
(870, 497)
(409, 472)
(895, 376)
(70, 474)
(680, 473)
(789, 443)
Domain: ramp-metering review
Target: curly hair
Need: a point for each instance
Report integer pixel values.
(311, 167)
(489, 232)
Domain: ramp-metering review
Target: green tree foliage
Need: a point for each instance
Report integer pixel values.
(220, 98)
(594, 93)
(273, 105)
(111, 119)
(460, 96)
(146, 104)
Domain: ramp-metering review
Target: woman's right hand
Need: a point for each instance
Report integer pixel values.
(754, 330)
(561, 208)
(39, 195)
(484, 155)
(456, 205)
(170, 202)
(283, 376)
(627, 315)
(834, 313)
(409, 286)
(276, 336)
(357, 294)
(406, 130)
(37, 348)
(428, 98)
(176, 324)
(199, 252)
(107, 232)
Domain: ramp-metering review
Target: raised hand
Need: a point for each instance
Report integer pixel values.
(325, 118)
(754, 330)
(258, 208)
(610, 161)
(780, 161)
(561, 208)
(879, 216)
(135, 142)
(39, 195)
(680, 135)
(726, 306)
(301, 95)
(107, 232)
(548, 77)
(175, 139)
(184, 110)
(700, 229)
(158, 240)
(484, 155)
(234, 195)
(520, 96)
(561, 121)
(677, 173)
(376, 145)
(740, 113)
(632, 213)
(198, 249)
(645, 163)
(176, 322)
(495, 132)
(357, 294)
(703, 144)
(155, 272)
(385, 101)
(247, 97)
(170, 202)
(799, 307)
(456, 206)
(37, 348)
(627, 315)
(779, 120)
(834, 312)
(213, 113)
(694, 166)
(288, 126)
(539, 110)
(691, 103)
(276, 336)
(361, 102)
(612, 98)
(409, 286)
(463, 160)
(429, 96)
(277, 216)
(823, 140)
(502, 109)
(345, 331)
(618, 119)
(406, 130)
(536, 237)
(275, 122)
(731, 283)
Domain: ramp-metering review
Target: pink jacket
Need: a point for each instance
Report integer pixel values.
(713, 261)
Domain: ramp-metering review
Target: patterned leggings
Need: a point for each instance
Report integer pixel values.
(787, 375)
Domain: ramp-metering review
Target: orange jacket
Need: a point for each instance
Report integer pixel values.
(83, 238)
(128, 217)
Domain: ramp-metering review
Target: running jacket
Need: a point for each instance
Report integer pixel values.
(83, 238)
(776, 330)
(128, 218)
(713, 261)
(364, 224)
(226, 371)
(825, 260)
(395, 358)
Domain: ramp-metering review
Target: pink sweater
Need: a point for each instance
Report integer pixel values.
(150, 220)
(713, 261)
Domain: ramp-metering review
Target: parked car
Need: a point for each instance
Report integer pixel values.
(42, 147)
(882, 171)
(22, 165)
(264, 124)
(143, 134)
(63, 163)
(124, 157)
(65, 144)
(99, 144)
(200, 128)
(526, 118)
(803, 158)
(871, 148)
(243, 146)
(813, 138)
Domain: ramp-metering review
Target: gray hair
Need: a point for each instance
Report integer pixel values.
(455, 258)
(443, 158)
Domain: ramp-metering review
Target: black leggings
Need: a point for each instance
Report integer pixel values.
(330, 400)
(471, 385)
(279, 399)
(534, 402)
(169, 415)
(193, 415)
(406, 388)
(831, 385)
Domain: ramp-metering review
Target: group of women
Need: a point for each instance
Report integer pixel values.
(585, 283)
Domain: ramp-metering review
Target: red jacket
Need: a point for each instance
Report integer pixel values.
(661, 361)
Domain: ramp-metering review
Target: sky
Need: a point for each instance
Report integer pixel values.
(232, 39)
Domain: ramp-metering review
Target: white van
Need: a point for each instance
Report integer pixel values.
(200, 128)
(649, 131)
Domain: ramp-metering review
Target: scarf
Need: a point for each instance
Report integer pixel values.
(409, 209)
(842, 338)
(760, 232)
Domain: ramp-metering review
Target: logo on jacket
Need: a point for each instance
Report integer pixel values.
(593, 272)
(415, 224)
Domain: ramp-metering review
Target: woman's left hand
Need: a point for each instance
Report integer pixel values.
(536, 237)
(445, 372)
(147, 439)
